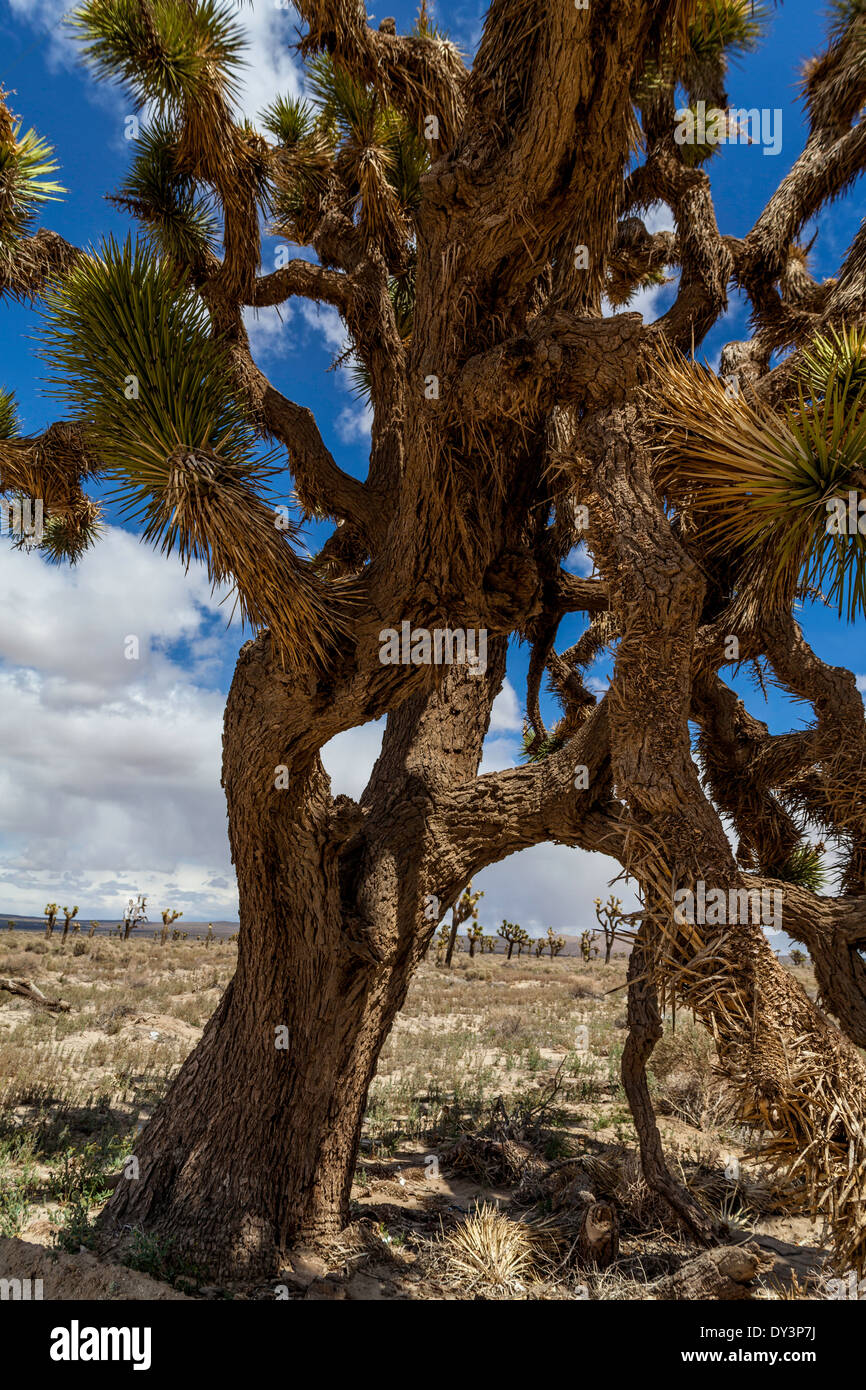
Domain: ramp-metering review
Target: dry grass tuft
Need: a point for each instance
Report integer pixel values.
(489, 1249)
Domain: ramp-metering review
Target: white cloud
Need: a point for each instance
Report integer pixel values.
(48, 16)
(349, 758)
(506, 713)
(110, 768)
(579, 561)
(325, 320)
(861, 684)
(270, 67)
(659, 218)
(266, 329)
(651, 301)
(548, 886)
(354, 423)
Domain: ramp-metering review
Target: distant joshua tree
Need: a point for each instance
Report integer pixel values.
(474, 935)
(586, 944)
(443, 940)
(553, 943)
(522, 940)
(135, 915)
(510, 933)
(610, 916)
(464, 909)
(51, 911)
(169, 915)
(798, 957)
(68, 913)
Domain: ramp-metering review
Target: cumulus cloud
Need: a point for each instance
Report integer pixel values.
(548, 886)
(266, 329)
(109, 775)
(354, 423)
(324, 320)
(269, 67)
(506, 713)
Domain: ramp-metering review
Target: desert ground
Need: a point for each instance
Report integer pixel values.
(497, 1093)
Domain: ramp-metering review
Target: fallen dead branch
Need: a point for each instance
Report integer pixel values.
(28, 990)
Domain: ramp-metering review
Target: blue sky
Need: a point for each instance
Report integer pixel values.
(128, 797)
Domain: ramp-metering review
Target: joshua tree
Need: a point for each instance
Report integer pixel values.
(521, 939)
(488, 945)
(443, 940)
(464, 910)
(135, 914)
(475, 936)
(798, 957)
(554, 942)
(610, 917)
(169, 915)
(68, 915)
(587, 937)
(510, 933)
(51, 911)
(467, 223)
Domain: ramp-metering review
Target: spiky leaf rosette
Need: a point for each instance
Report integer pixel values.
(534, 749)
(26, 165)
(301, 166)
(757, 485)
(806, 868)
(375, 153)
(181, 223)
(131, 352)
(183, 58)
(837, 359)
(68, 535)
(164, 52)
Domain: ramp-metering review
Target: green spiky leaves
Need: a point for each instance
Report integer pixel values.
(806, 868)
(291, 121)
(836, 361)
(180, 222)
(535, 749)
(774, 489)
(10, 427)
(164, 52)
(729, 27)
(131, 353)
(26, 165)
(349, 132)
(68, 535)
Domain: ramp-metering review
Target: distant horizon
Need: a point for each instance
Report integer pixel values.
(184, 924)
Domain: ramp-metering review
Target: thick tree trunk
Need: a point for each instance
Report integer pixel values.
(452, 937)
(255, 1146)
(645, 1030)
